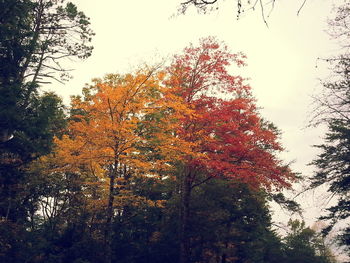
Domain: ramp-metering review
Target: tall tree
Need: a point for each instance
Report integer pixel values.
(116, 130)
(35, 35)
(333, 110)
(231, 138)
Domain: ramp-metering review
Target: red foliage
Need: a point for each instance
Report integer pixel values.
(227, 130)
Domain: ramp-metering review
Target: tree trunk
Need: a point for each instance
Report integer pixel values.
(110, 213)
(184, 218)
(33, 43)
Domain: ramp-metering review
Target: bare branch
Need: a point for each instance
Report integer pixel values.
(301, 7)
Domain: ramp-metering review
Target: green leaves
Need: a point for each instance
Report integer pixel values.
(302, 244)
(71, 10)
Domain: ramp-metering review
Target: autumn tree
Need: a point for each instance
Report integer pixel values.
(230, 137)
(116, 131)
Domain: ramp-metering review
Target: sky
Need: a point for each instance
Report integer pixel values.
(283, 64)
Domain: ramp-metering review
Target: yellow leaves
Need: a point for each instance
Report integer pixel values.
(125, 122)
(96, 205)
(161, 75)
(113, 116)
(127, 198)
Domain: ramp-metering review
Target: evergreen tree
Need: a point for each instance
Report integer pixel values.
(304, 245)
(35, 35)
(333, 109)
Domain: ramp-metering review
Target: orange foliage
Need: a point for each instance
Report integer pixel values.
(124, 122)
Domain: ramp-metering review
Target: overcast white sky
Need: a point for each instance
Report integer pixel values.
(282, 58)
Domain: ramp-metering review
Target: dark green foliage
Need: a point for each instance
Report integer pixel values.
(334, 170)
(230, 223)
(33, 138)
(35, 35)
(304, 245)
(333, 162)
(286, 203)
(15, 30)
